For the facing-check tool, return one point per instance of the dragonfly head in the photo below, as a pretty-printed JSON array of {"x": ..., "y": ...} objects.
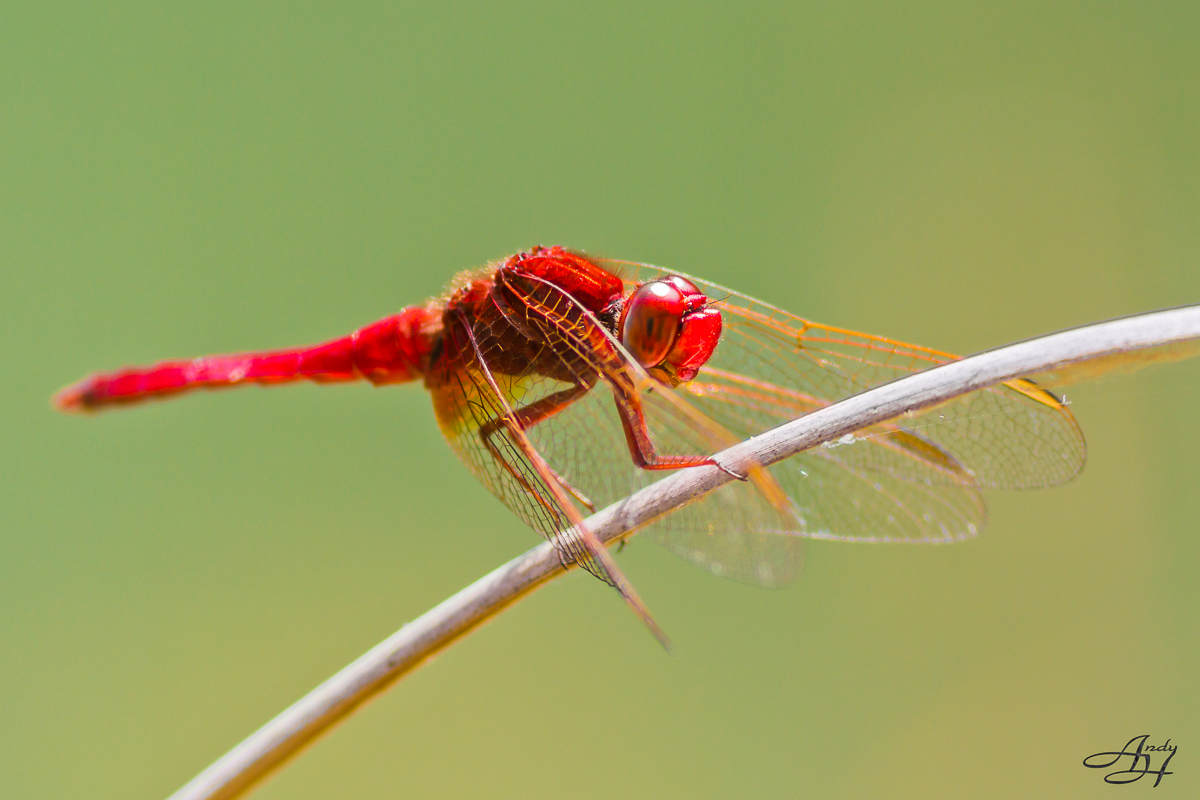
[{"x": 668, "y": 326}]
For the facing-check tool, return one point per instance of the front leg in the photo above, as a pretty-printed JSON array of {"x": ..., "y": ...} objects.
[{"x": 637, "y": 436}]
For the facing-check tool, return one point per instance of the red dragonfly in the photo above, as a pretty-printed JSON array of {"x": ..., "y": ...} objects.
[{"x": 564, "y": 382}]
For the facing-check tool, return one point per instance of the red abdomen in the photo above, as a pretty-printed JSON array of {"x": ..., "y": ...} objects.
[{"x": 393, "y": 350}]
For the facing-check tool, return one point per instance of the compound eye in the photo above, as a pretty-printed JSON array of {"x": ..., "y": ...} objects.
[{"x": 651, "y": 322}]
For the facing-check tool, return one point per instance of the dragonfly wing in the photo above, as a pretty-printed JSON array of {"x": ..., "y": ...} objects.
[
  {"x": 465, "y": 405},
  {"x": 735, "y": 533},
  {"x": 772, "y": 366},
  {"x": 837, "y": 499},
  {"x": 883, "y": 484}
]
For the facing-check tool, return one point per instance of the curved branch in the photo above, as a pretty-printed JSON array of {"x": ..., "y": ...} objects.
[{"x": 270, "y": 746}]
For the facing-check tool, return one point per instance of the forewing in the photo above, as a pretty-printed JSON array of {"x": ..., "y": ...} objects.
[{"x": 772, "y": 366}]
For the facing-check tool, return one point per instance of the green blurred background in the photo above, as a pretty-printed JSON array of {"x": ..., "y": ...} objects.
[{"x": 176, "y": 182}]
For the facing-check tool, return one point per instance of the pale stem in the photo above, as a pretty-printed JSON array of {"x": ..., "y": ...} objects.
[{"x": 270, "y": 746}]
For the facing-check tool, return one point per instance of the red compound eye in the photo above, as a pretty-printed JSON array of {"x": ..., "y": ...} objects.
[{"x": 651, "y": 321}]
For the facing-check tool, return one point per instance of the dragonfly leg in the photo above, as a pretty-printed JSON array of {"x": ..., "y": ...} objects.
[
  {"x": 737, "y": 476},
  {"x": 644, "y": 455},
  {"x": 525, "y": 418},
  {"x": 641, "y": 446}
]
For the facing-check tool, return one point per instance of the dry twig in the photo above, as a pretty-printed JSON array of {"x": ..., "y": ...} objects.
[{"x": 270, "y": 746}]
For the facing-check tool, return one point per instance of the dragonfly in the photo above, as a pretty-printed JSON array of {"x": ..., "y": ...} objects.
[{"x": 566, "y": 382}]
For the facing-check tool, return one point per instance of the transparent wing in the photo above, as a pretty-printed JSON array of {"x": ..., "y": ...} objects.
[
  {"x": 772, "y": 366},
  {"x": 734, "y": 532}
]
